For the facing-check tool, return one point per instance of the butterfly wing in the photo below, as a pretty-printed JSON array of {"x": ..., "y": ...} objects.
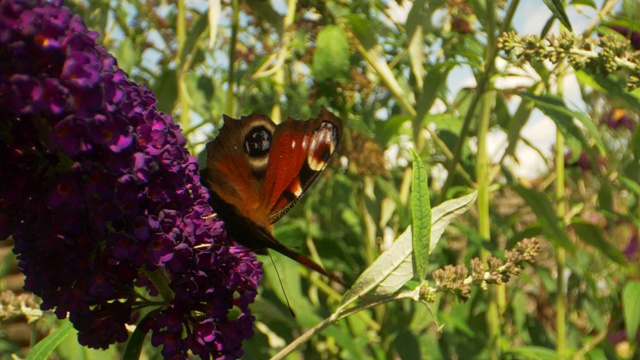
[
  {"x": 256, "y": 171},
  {"x": 299, "y": 154},
  {"x": 235, "y": 170}
]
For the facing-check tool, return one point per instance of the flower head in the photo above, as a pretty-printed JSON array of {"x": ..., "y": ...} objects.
[{"x": 98, "y": 190}]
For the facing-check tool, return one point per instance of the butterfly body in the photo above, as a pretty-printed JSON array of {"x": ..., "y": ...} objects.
[{"x": 257, "y": 170}]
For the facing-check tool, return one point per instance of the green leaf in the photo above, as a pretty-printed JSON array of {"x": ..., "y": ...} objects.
[
  {"x": 126, "y": 55},
  {"x": 617, "y": 89},
  {"x": 407, "y": 345},
  {"x": 133, "y": 349},
  {"x": 592, "y": 235},
  {"x": 605, "y": 197},
  {"x": 264, "y": 11},
  {"x": 589, "y": 3},
  {"x": 416, "y": 56},
  {"x": 362, "y": 29},
  {"x": 421, "y": 216},
  {"x": 415, "y": 18},
  {"x": 557, "y": 110},
  {"x": 546, "y": 215},
  {"x": 630, "y": 7},
  {"x": 331, "y": 56},
  {"x": 631, "y": 307},
  {"x": 436, "y": 78},
  {"x": 200, "y": 91},
  {"x": 630, "y": 184},
  {"x": 557, "y": 8},
  {"x": 291, "y": 288},
  {"x": 635, "y": 144},
  {"x": 519, "y": 120},
  {"x": 165, "y": 90},
  {"x": 394, "y": 267},
  {"x": 195, "y": 31},
  {"x": 534, "y": 352},
  {"x": 44, "y": 348}
]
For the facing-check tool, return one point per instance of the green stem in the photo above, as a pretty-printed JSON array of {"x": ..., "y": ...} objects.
[
  {"x": 560, "y": 252},
  {"x": 413, "y": 294},
  {"x": 483, "y": 84},
  {"x": 484, "y": 218},
  {"x": 181, "y": 35},
  {"x": 235, "y": 20},
  {"x": 484, "y": 180},
  {"x": 279, "y": 76},
  {"x": 561, "y": 310}
]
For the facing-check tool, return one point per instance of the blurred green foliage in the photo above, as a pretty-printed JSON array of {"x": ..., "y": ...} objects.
[{"x": 392, "y": 71}]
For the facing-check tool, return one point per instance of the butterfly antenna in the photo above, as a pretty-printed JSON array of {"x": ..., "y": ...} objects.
[{"x": 281, "y": 285}]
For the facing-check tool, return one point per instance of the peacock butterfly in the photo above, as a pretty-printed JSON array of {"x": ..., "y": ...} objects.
[{"x": 257, "y": 171}]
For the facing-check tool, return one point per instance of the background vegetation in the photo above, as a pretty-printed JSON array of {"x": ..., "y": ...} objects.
[{"x": 391, "y": 71}]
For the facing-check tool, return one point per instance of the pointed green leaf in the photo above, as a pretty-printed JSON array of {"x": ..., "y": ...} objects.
[
  {"x": 133, "y": 349},
  {"x": 557, "y": 8},
  {"x": 550, "y": 223},
  {"x": 395, "y": 267},
  {"x": 44, "y": 348},
  {"x": 421, "y": 216},
  {"x": 631, "y": 304}
]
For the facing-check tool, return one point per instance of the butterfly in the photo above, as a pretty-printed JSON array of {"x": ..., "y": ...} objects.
[{"x": 257, "y": 171}]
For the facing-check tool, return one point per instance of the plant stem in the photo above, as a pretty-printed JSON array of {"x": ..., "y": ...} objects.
[
  {"x": 484, "y": 181},
  {"x": 235, "y": 20},
  {"x": 181, "y": 35},
  {"x": 561, "y": 310},
  {"x": 412, "y": 294},
  {"x": 560, "y": 252},
  {"x": 483, "y": 83}
]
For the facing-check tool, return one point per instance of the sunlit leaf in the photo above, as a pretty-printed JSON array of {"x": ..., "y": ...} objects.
[
  {"x": 589, "y": 3},
  {"x": 331, "y": 56},
  {"x": 557, "y": 8},
  {"x": 631, "y": 307},
  {"x": 44, "y": 348},
  {"x": 395, "y": 267}
]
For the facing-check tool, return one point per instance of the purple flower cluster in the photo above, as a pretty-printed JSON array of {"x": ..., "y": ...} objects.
[{"x": 102, "y": 197}]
